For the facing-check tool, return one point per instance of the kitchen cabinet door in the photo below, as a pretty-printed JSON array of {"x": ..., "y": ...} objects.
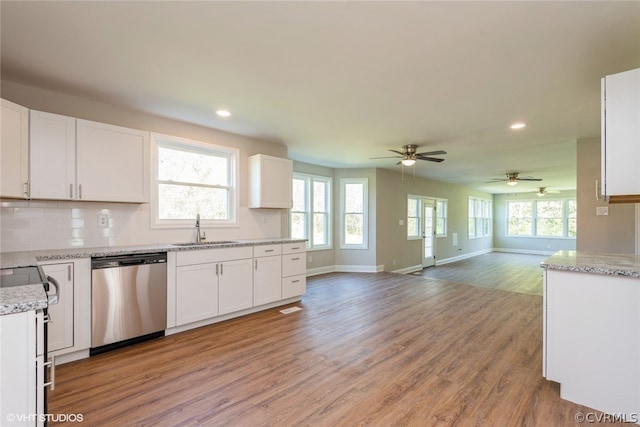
[
  {"x": 18, "y": 367},
  {"x": 235, "y": 286},
  {"x": 112, "y": 163},
  {"x": 621, "y": 133},
  {"x": 271, "y": 180},
  {"x": 14, "y": 150},
  {"x": 52, "y": 160},
  {"x": 60, "y": 332},
  {"x": 196, "y": 293},
  {"x": 267, "y": 279}
]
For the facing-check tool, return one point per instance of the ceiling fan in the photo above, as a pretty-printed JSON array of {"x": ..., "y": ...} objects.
[
  {"x": 512, "y": 179},
  {"x": 408, "y": 155},
  {"x": 544, "y": 190}
]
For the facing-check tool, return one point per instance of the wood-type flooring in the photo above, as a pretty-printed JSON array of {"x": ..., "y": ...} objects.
[{"x": 365, "y": 350}]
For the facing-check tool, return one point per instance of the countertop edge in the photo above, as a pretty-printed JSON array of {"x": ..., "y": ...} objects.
[{"x": 626, "y": 265}]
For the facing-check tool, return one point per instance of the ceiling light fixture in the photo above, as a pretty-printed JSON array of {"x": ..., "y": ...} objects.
[
  {"x": 223, "y": 113},
  {"x": 541, "y": 191},
  {"x": 518, "y": 125},
  {"x": 408, "y": 162},
  {"x": 513, "y": 180}
]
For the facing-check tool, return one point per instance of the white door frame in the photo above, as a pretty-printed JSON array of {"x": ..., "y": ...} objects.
[{"x": 428, "y": 227}]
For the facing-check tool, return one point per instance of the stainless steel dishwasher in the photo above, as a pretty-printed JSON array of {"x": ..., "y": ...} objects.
[{"x": 128, "y": 300}]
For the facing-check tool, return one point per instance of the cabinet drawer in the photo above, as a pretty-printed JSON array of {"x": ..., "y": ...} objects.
[
  {"x": 291, "y": 248},
  {"x": 267, "y": 250},
  {"x": 293, "y": 264},
  {"x": 202, "y": 256},
  {"x": 294, "y": 286}
]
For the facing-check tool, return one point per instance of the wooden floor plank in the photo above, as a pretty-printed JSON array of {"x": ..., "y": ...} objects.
[{"x": 366, "y": 349}]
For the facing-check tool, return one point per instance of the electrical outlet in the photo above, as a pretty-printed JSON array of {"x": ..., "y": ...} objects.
[{"x": 103, "y": 220}]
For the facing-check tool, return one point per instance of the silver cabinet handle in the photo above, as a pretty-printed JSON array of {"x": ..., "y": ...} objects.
[
  {"x": 221, "y": 269},
  {"x": 51, "y": 364},
  {"x": 25, "y": 187},
  {"x": 269, "y": 250},
  {"x": 71, "y": 191},
  {"x": 295, "y": 259},
  {"x": 80, "y": 191},
  {"x": 295, "y": 281},
  {"x": 217, "y": 269},
  {"x": 296, "y": 248},
  {"x": 256, "y": 264}
]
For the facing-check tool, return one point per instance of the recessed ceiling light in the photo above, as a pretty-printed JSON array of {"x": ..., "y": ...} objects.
[
  {"x": 223, "y": 113},
  {"x": 518, "y": 125}
]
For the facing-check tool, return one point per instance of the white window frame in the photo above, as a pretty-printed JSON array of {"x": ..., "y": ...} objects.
[
  {"x": 309, "y": 180},
  {"x": 483, "y": 224},
  {"x": 442, "y": 212},
  {"x": 365, "y": 214},
  {"x": 231, "y": 154},
  {"x": 534, "y": 225},
  {"x": 419, "y": 207}
]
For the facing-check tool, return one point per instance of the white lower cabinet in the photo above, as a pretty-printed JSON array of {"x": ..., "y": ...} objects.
[
  {"x": 592, "y": 339},
  {"x": 60, "y": 332},
  {"x": 294, "y": 269},
  {"x": 267, "y": 273},
  {"x": 212, "y": 282},
  {"x": 196, "y": 293},
  {"x": 22, "y": 369},
  {"x": 234, "y": 287}
]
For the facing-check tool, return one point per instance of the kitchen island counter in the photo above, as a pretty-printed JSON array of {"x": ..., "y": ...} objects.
[{"x": 594, "y": 263}]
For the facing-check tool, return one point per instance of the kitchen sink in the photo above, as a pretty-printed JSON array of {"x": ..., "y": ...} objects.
[{"x": 209, "y": 243}]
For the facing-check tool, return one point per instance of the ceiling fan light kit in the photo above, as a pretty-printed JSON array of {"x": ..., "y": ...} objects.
[
  {"x": 408, "y": 155},
  {"x": 513, "y": 179}
]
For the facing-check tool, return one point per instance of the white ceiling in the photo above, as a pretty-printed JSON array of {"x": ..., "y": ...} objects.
[{"x": 340, "y": 82}]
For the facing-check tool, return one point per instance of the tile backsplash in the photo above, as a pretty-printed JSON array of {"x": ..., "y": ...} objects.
[{"x": 41, "y": 225}]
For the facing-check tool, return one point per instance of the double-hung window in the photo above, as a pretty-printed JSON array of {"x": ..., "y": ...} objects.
[
  {"x": 441, "y": 218},
  {"x": 542, "y": 218},
  {"x": 353, "y": 205},
  {"x": 480, "y": 217},
  {"x": 414, "y": 217},
  {"x": 311, "y": 212},
  {"x": 193, "y": 178}
]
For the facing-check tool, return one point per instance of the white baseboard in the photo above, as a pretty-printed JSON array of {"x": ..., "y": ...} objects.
[
  {"x": 408, "y": 270},
  {"x": 345, "y": 269},
  {"x": 461, "y": 257},
  {"x": 523, "y": 251}
]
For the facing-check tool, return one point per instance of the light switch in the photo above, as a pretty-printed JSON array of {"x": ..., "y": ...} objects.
[
  {"x": 401, "y": 222},
  {"x": 602, "y": 210}
]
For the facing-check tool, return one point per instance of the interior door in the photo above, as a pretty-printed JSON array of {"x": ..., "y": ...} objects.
[{"x": 429, "y": 233}]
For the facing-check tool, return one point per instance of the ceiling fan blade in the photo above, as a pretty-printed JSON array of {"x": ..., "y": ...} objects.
[
  {"x": 431, "y": 153},
  {"x": 429, "y": 159},
  {"x": 385, "y": 157},
  {"x": 496, "y": 180},
  {"x": 529, "y": 179},
  {"x": 396, "y": 151}
]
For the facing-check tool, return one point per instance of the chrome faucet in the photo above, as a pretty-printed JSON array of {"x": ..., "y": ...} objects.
[{"x": 200, "y": 236}]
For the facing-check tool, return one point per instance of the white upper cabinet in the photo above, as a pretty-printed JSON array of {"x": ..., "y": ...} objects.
[
  {"x": 53, "y": 156},
  {"x": 14, "y": 150},
  {"x": 621, "y": 133},
  {"x": 270, "y": 179},
  {"x": 74, "y": 159},
  {"x": 112, "y": 163}
]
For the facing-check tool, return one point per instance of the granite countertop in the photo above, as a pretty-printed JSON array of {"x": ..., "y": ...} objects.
[
  {"x": 27, "y": 258},
  {"x": 33, "y": 297},
  {"x": 22, "y": 298},
  {"x": 594, "y": 263}
]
